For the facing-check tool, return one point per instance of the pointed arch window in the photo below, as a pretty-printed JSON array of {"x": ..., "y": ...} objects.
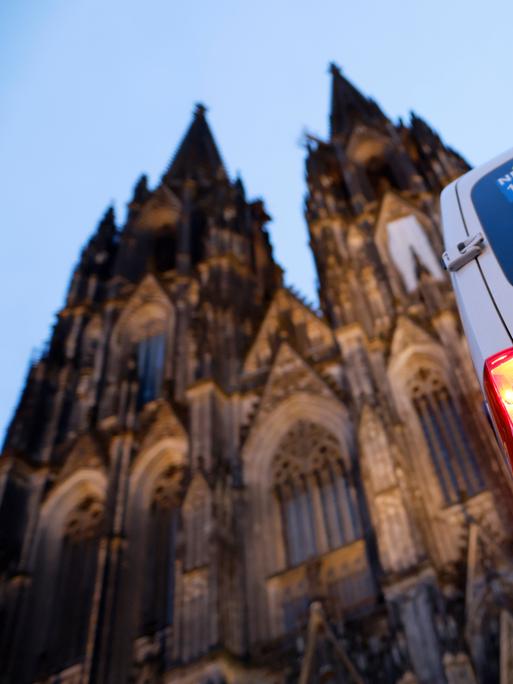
[
  {"x": 315, "y": 493},
  {"x": 145, "y": 339},
  {"x": 161, "y": 535},
  {"x": 407, "y": 242},
  {"x": 450, "y": 444},
  {"x": 150, "y": 367},
  {"x": 67, "y": 638}
]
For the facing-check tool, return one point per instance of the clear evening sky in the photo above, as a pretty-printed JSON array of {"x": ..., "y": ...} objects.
[{"x": 95, "y": 92}]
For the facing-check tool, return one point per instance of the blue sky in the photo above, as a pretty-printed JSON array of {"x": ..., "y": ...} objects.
[{"x": 95, "y": 92}]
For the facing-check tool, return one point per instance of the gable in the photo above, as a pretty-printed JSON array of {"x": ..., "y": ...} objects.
[
  {"x": 149, "y": 305},
  {"x": 161, "y": 209},
  {"x": 286, "y": 319},
  {"x": 159, "y": 424},
  {"x": 85, "y": 453},
  {"x": 408, "y": 334},
  {"x": 290, "y": 375}
]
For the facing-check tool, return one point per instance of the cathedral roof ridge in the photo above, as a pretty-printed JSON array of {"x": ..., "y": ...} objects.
[
  {"x": 301, "y": 299},
  {"x": 261, "y": 338}
]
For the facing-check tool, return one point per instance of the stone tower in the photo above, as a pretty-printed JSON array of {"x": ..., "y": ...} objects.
[{"x": 207, "y": 480}]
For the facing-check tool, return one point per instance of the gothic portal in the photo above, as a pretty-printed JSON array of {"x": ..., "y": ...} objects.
[{"x": 207, "y": 480}]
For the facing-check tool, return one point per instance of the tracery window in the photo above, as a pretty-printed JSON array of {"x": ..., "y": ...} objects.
[
  {"x": 451, "y": 448},
  {"x": 162, "y": 528},
  {"x": 75, "y": 582},
  {"x": 315, "y": 493}
]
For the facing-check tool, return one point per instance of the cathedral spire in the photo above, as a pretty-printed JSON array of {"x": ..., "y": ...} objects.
[
  {"x": 198, "y": 156},
  {"x": 349, "y": 106}
]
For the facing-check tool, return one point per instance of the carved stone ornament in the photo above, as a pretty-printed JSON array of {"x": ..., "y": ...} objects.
[{"x": 84, "y": 522}]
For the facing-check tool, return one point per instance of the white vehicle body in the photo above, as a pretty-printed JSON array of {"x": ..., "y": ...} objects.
[{"x": 477, "y": 220}]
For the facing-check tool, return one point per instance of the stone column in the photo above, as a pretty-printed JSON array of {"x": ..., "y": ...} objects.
[{"x": 101, "y": 665}]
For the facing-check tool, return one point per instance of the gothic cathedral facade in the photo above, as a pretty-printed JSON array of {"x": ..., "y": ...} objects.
[{"x": 207, "y": 480}]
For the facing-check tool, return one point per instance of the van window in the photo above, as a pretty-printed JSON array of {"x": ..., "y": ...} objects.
[{"x": 492, "y": 197}]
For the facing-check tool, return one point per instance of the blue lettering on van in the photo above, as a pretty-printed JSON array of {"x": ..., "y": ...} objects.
[{"x": 505, "y": 183}]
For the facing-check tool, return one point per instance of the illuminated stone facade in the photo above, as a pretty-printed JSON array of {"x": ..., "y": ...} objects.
[{"x": 207, "y": 480}]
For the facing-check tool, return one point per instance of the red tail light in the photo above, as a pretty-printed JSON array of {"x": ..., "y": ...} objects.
[{"x": 498, "y": 383}]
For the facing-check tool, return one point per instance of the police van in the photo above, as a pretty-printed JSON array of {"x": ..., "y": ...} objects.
[{"x": 477, "y": 220}]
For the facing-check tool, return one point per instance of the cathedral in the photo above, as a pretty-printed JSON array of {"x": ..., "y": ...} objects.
[{"x": 209, "y": 481}]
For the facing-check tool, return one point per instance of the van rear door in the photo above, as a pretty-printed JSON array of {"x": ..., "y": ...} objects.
[
  {"x": 486, "y": 200},
  {"x": 483, "y": 328}
]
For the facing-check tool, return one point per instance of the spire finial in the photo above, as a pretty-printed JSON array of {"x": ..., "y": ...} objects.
[
  {"x": 199, "y": 110},
  {"x": 109, "y": 215},
  {"x": 334, "y": 69}
]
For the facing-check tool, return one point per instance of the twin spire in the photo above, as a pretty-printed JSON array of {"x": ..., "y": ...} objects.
[{"x": 198, "y": 155}]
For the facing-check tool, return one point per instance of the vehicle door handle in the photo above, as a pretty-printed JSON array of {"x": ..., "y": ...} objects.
[{"x": 456, "y": 257}]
